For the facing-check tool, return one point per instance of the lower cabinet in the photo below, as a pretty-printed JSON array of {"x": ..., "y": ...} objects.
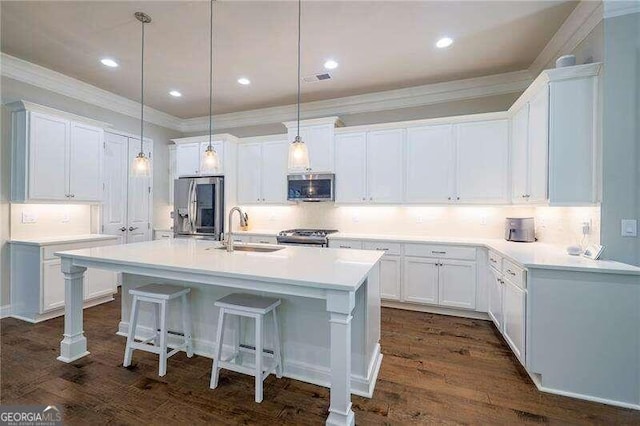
[
  {"x": 494, "y": 283},
  {"x": 450, "y": 283},
  {"x": 390, "y": 278},
  {"x": 52, "y": 285},
  {"x": 514, "y": 299}
]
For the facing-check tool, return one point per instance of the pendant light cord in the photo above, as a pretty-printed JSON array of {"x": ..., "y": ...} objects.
[
  {"x": 142, "y": 94},
  {"x": 299, "y": 36},
  {"x": 210, "y": 73}
]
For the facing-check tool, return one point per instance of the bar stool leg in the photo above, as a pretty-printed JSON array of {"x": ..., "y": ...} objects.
[
  {"x": 133, "y": 322},
  {"x": 186, "y": 325},
  {"x": 163, "y": 339},
  {"x": 236, "y": 339},
  {"x": 156, "y": 310},
  {"x": 218, "y": 351},
  {"x": 259, "y": 356},
  {"x": 277, "y": 351}
]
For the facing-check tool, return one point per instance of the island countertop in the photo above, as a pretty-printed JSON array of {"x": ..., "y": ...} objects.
[{"x": 334, "y": 269}]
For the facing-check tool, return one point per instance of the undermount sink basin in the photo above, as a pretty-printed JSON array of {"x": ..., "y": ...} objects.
[{"x": 253, "y": 248}]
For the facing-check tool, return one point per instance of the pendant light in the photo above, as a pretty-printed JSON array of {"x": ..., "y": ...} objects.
[
  {"x": 210, "y": 162},
  {"x": 298, "y": 151},
  {"x": 141, "y": 166}
]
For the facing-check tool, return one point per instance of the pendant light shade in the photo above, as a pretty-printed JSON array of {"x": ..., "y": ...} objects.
[
  {"x": 141, "y": 166},
  {"x": 298, "y": 151},
  {"x": 210, "y": 163}
]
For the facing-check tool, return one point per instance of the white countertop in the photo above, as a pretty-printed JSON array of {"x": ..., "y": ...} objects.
[
  {"x": 341, "y": 269},
  {"x": 529, "y": 255},
  {"x": 63, "y": 239},
  {"x": 260, "y": 232}
]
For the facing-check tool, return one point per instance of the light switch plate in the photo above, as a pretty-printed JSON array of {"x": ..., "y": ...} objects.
[{"x": 629, "y": 228}]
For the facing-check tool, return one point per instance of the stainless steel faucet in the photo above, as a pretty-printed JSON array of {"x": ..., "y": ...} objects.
[{"x": 243, "y": 222}]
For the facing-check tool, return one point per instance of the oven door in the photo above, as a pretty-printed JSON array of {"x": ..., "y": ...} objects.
[{"x": 310, "y": 187}]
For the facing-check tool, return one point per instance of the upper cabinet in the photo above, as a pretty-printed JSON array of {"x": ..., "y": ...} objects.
[
  {"x": 555, "y": 131},
  {"x": 189, "y": 152},
  {"x": 369, "y": 166},
  {"x": 262, "y": 172},
  {"x": 55, "y": 156},
  {"x": 317, "y": 134}
]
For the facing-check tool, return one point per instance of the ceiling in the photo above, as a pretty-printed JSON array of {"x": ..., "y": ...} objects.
[{"x": 380, "y": 45}]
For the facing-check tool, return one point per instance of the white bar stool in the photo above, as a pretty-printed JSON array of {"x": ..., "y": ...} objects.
[
  {"x": 159, "y": 295},
  {"x": 249, "y": 306}
]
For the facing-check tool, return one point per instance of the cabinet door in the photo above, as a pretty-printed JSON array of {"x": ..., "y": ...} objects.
[
  {"x": 52, "y": 285},
  {"x": 482, "y": 160},
  {"x": 218, "y": 146},
  {"x": 99, "y": 283},
  {"x": 249, "y": 173},
  {"x": 116, "y": 172},
  {"x": 351, "y": 168},
  {"x": 514, "y": 318},
  {"x": 538, "y": 136},
  {"x": 390, "y": 277},
  {"x": 520, "y": 155},
  {"x": 85, "y": 162},
  {"x": 48, "y": 157},
  {"x": 274, "y": 172},
  {"x": 385, "y": 162},
  {"x": 188, "y": 159},
  {"x": 172, "y": 172},
  {"x": 420, "y": 282},
  {"x": 430, "y": 164},
  {"x": 139, "y": 197},
  {"x": 321, "y": 148},
  {"x": 457, "y": 284},
  {"x": 495, "y": 298}
]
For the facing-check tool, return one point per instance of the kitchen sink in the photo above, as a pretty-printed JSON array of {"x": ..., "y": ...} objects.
[{"x": 252, "y": 248}]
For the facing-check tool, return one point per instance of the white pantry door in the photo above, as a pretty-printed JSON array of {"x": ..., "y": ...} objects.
[
  {"x": 139, "y": 196},
  {"x": 114, "y": 205}
]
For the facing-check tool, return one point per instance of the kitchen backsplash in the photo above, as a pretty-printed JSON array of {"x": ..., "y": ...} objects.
[
  {"x": 556, "y": 225},
  {"x": 49, "y": 220}
]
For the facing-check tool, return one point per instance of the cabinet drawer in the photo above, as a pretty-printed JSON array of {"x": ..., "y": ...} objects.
[
  {"x": 163, "y": 235},
  {"x": 241, "y": 238},
  {"x": 264, "y": 239},
  {"x": 350, "y": 244},
  {"x": 514, "y": 273},
  {"x": 495, "y": 260},
  {"x": 440, "y": 251},
  {"x": 48, "y": 251},
  {"x": 387, "y": 247}
]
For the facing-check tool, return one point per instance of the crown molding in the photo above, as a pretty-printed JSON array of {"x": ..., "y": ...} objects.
[
  {"x": 429, "y": 94},
  {"x": 620, "y": 7},
  {"x": 36, "y": 75},
  {"x": 584, "y": 18}
]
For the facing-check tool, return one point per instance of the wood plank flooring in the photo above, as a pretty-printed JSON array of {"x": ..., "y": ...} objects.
[{"x": 436, "y": 369}]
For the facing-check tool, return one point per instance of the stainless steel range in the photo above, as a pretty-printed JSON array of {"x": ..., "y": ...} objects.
[{"x": 305, "y": 237}]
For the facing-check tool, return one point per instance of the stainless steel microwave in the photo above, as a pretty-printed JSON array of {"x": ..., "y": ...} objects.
[{"x": 310, "y": 187}]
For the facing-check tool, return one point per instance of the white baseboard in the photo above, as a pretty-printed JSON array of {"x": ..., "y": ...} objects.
[
  {"x": 5, "y": 311},
  {"x": 297, "y": 370}
]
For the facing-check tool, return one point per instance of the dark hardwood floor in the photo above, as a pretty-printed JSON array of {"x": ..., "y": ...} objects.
[{"x": 436, "y": 369}]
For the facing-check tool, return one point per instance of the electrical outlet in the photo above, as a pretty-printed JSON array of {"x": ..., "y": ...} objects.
[
  {"x": 629, "y": 228},
  {"x": 65, "y": 217},
  {"x": 29, "y": 217},
  {"x": 355, "y": 218},
  {"x": 586, "y": 227},
  {"x": 420, "y": 219},
  {"x": 483, "y": 220}
]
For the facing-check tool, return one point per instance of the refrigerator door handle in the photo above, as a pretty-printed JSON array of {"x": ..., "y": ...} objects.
[{"x": 191, "y": 207}]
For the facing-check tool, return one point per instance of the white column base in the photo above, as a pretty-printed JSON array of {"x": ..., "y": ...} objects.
[
  {"x": 73, "y": 348},
  {"x": 341, "y": 419}
]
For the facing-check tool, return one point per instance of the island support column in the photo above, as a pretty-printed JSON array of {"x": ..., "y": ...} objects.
[
  {"x": 340, "y": 306},
  {"x": 74, "y": 344}
]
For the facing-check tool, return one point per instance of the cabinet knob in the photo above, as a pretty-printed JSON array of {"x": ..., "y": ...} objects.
[
  {"x": 263, "y": 199},
  {"x": 458, "y": 198},
  {"x": 370, "y": 198},
  {"x": 124, "y": 228},
  {"x": 449, "y": 198}
]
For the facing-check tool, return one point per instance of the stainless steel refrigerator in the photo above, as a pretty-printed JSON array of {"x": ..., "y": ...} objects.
[{"x": 198, "y": 209}]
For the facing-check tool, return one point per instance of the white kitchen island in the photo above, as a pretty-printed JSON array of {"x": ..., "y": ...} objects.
[{"x": 330, "y": 312}]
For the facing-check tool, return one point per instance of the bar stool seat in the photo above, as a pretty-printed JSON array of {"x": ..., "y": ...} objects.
[
  {"x": 159, "y": 295},
  {"x": 248, "y": 306}
]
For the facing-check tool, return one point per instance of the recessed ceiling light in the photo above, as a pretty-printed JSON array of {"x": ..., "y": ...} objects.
[
  {"x": 331, "y": 64},
  {"x": 175, "y": 93},
  {"x": 444, "y": 42},
  {"x": 109, "y": 62},
  {"x": 244, "y": 81}
]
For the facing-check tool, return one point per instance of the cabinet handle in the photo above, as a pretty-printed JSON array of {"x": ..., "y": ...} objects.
[
  {"x": 382, "y": 248},
  {"x": 124, "y": 228},
  {"x": 458, "y": 198},
  {"x": 345, "y": 246},
  {"x": 370, "y": 198},
  {"x": 263, "y": 242},
  {"x": 438, "y": 252},
  {"x": 449, "y": 198},
  {"x": 510, "y": 272},
  {"x": 133, "y": 228},
  {"x": 493, "y": 260},
  {"x": 364, "y": 198},
  {"x": 263, "y": 199}
]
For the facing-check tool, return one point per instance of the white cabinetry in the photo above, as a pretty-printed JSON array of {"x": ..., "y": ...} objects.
[
  {"x": 457, "y": 284},
  {"x": 514, "y": 303},
  {"x": 262, "y": 173},
  {"x": 317, "y": 134},
  {"x": 189, "y": 155},
  {"x": 430, "y": 164},
  {"x": 390, "y": 267},
  {"x": 482, "y": 158},
  {"x": 420, "y": 280},
  {"x": 369, "y": 167},
  {"x": 495, "y": 282},
  {"x": 55, "y": 156},
  {"x": 37, "y": 281}
]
